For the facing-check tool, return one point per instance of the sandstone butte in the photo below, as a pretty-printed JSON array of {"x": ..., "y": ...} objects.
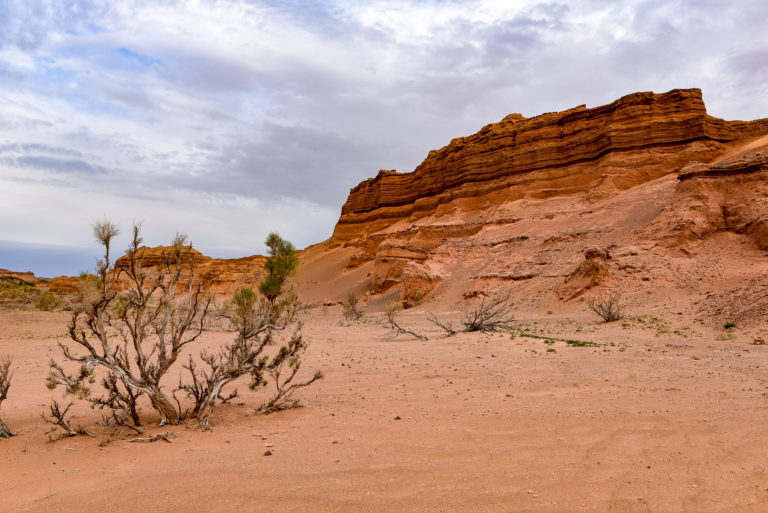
[{"x": 648, "y": 194}]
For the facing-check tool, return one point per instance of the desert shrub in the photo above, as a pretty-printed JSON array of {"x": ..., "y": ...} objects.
[
  {"x": 351, "y": 309},
  {"x": 491, "y": 315},
  {"x": 729, "y": 325},
  {"x": 607, "y": 306},
  {"x": 5, "y": 385},
  {"x": 134, "y": 324},
  {"x": 47, "y": 301}
]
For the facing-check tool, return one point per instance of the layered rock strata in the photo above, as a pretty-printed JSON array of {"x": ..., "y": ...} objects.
[{"x": 551, "y": 154}]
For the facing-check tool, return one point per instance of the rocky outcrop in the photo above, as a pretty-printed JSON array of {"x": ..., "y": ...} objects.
[
  {"x": 730, "y": 195},
  {"x": 220, "y": 275},
  {"x": 26, "y": 276},
  {"x": 552, "y": 154},
  {"x": 474, "y": 210},
  {"x": 590, "y": 273}
]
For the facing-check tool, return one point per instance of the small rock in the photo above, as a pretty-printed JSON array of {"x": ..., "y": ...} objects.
[
  {"x": 268, "y": 453},
  {"x": 397, "y": 418}
]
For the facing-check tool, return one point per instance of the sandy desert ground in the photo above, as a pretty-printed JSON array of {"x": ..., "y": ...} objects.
[{"x": 661, "y": 415}]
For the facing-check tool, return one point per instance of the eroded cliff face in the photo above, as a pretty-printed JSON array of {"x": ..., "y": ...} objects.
[
  {"x": 633, "y": 140},
  {"x": 730, "y": 195},
  {"x": 559, "y": 204}
]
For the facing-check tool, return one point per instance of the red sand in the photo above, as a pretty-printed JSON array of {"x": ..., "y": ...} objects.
[{"x": 666, "y": 419}]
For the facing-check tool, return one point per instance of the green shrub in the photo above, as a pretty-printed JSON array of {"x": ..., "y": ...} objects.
[
  {"x": 729, "y": 325},
  {"x": 47, "y": 301},
  {"x": 16, "y": 290}
]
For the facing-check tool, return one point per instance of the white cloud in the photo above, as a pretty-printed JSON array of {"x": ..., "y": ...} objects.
[{"x": 229, "y": 117}]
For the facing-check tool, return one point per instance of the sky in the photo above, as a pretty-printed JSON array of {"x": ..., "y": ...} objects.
[{"x": 226, "y": 120}]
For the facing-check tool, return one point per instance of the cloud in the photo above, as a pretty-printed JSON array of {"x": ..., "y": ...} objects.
[{"x": 196, "y": 115}]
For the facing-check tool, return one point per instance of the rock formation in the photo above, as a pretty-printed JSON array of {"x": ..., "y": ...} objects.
[
  {"x": 632, "y": 140},
  {"x": 26, "y": 276},
  {"x": 520, "y": 199}
]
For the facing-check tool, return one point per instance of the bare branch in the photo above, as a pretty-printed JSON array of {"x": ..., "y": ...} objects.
[
  {"x": 447, "y": 327},
  {"x": 59, "y": 420},
  {"x": 395, "y": 329}
]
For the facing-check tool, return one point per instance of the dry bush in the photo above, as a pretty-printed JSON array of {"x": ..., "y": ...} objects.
[
  {"x": 255, "y": 320},
  {"x": 137, "y": 335},
  {"x": 5, "y": 384},
  {"x": 492, "y": 314},
  {"x": 351, "y": 309},
  {"x": 61, "y": 424},
  {"x": 393, "y": 308},
  {"x": 608, "y": 305},
  {"x": 153, "y": 319}
]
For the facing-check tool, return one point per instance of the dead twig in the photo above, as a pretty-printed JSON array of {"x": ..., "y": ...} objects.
[
  {"x": 447, "y": 327},
  {"x": 394, "y": 328},
  {"x": 154, "y": 438}
]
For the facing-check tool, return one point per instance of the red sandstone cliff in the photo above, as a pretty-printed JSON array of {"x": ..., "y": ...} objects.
[
  {"x": 636, "y": 138},
  {"x": 520, "y": 204}
]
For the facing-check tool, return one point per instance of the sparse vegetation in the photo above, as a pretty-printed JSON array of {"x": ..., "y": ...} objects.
[
  {"x": 47, "y": 302},
  {"x": 5, "y": 385},
  {"x": 607, "y": 306},
  {"x": 351, "y": 309},
  {"x": 16, "y": 290},
  {"x": 729, "y": 325},
  {"x": 393, "y": 308}
]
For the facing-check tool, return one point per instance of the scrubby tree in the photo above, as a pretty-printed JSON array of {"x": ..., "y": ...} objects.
[
  {"x": 280, "y": 265},
  {"x": 255, "y": 318},
  {"x": 136, "y": 335},
  {"x": 133, "y": 324}
]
